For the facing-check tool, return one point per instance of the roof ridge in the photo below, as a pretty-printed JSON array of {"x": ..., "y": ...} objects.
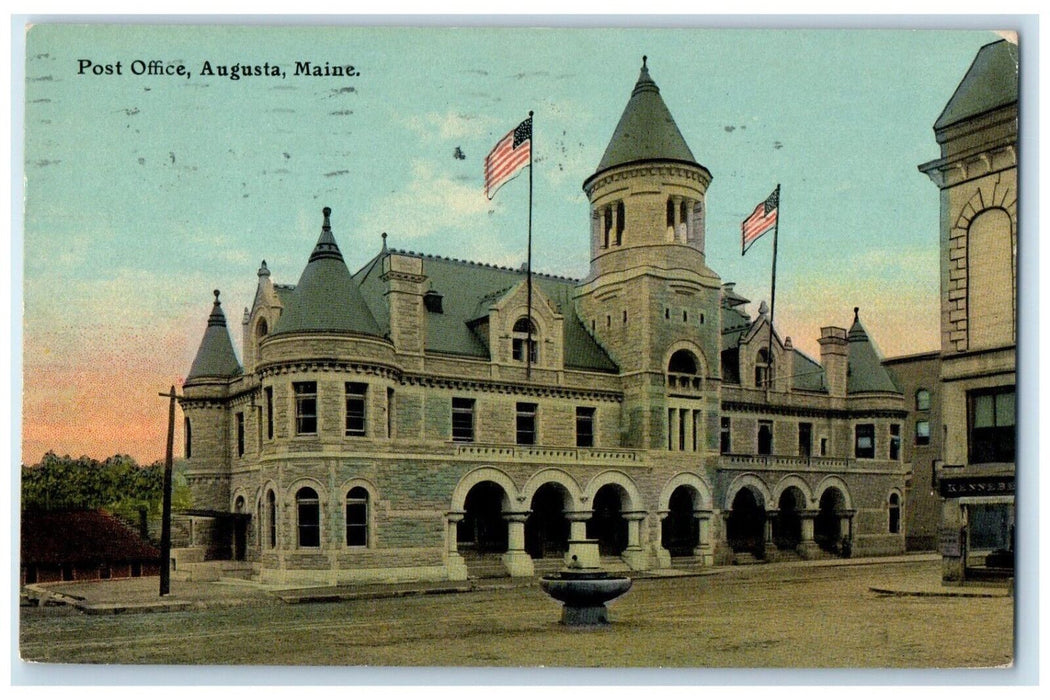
[{"x": 491, "y": 266}]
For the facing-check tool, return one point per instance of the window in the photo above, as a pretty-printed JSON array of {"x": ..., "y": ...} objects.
[
  {"x": 240, "y": 434},
  {"x": 526, "y": 423},
  {"x": 682, "y": 362},
  {"x": 726, "y": 446},
  {"x": 922, "y": 432},
  {"x": 805, "y": 439},
  {"x": 765, "y": 437},
  {"x": 619, "y": 222},
  {"x": 922, "y": 400},
  {"x": 670, "y": 212},
  {"x": 823, "y": 447},
  {"x": 584, "y": 426},
  {"x": 357, "y": 517},
  {"x": 188, "y": 437},
  {"x": 763, "y": 369},
  {"x": 305, "y": 408},
  {"x": 389, "y": 412},
  {"x": 356, "y": 395},
  {"x": 268, "y": 392},
  {"x": 462, "y": 420},
  {"x": 895, "y": 514},
  {"x": 271, "y": 518},
  {"x": 608, "y": 226},
  {"x": 308, "y": 514},
  {"x": 864, "y": 447},
  {"x": 992, "y": 420},
  {"x": 895, "y": 441},
  {"x": 524, "y": 333}
]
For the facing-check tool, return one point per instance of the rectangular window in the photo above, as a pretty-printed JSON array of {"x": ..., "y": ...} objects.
[
  {"x": 765, "y": 437},
  {"x": 726, "y": 446},
  {"x": 357, "y": 518},
  {"x": 696, "y": 430},
  {"x": 805, "y": 439},
  {"x": 584, "y": 426},
  {"x": 268, "y": 392},
  {"x": 389, "y": 412},
  {"x": 240, "y": 434},
  {"x": 356, "y": 395},
  {"x": 895, "y": 441},
  {"x": 462, "y": 420},
  {"x": 188, "y": 434},
  {"x": 518, "y": 349},
  {"x": 864, "y": 447},
  {"x": 681, "y": 428},
  {"x": 992, "y": 425},
  {"x": 305, "y": 408},
  {"x": 670, "y": 429},
  {"x": 823, "y": 447},
  {"x": 922, "y": 432},
  {"x": 526, "y": 423}
]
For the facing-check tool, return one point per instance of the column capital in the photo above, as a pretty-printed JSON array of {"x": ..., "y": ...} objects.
[
  {"x": 578, "y": 516},
  {"x": 455, "y": 516},
  {"x": 636, "y": 515},
  {"x": 703, "y": 513},
  {"x": 517, "y": 516}
]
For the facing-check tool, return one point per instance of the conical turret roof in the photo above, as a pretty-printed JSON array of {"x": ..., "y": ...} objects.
[
  {"x": 215, "y": 356},
  {"x": 326, "y": 297},
  {"x": 866, "y": 372},
  {"x": 646, "y": 131}
]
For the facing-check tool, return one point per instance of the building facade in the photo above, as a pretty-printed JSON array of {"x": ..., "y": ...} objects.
[
  {"x": 977, "y": 177},
  {"x": 414, "y": 419}
]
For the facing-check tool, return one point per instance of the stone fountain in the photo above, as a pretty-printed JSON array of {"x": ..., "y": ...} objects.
[{"x": 583, "y": 587}]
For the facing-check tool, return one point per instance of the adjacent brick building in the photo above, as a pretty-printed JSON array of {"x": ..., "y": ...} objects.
[{"x": 413, "y": 420}]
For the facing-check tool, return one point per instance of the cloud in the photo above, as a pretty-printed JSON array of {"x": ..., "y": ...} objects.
[{"x": 451, "y": 125}]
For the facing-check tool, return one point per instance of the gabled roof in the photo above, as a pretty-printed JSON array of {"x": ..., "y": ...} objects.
[
  {"x": 468, "y": 288},
  {"x": 809, "y": 374},
  {"x": 646, "y": 130},
  {"x": 866, "y": 372},
  {"x": 990, "y": 82},
  {"x": 326, "y": 298},
  {"x": 215, "y": 356},
  {"x": 81, "y": 537}
]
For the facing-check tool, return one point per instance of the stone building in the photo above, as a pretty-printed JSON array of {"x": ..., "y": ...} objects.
[
  {"x": 919, "y": 378},
  {"x": 977, "y": 177},
  {"x": 412, "y": 419}
]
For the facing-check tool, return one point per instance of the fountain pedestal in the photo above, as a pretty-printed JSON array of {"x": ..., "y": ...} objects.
[{"x": 583, "y": 588}]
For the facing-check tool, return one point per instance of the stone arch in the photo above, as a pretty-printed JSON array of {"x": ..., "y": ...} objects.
[
  {"x": 475, "y": 477},
  {"x": 749, "y": 481},
  {"x": 613, "y": 476},
  {"x": 693, "y": 480},
  {"x": 796, "y": 481},
  {"x": 894, "y": 520},
  {"x": 837, "y": 482},
  {"x": 703, "y": 367},
  {"x": 549, "y": 496},
  {"x": 556, "y": 476}
]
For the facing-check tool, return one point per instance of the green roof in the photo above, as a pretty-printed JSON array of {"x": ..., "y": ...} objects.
[
  {"x": 646, "y": 130},
  {"x": 326, "y": 299},
  {"x": 865, "y": 373},
  {"x": 215, "y": 356},
  {"x": 467, "y": 289},
  {"x": 991, "y": 82},
  {"x": 808, "y": 374}
]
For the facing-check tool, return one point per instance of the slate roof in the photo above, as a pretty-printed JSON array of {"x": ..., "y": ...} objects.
[
  {"x": 215, "y": 356},
  {"x": 326, "y": 297},
  {"x": 468, "y": 288},
  {"x": 866, "y": 372},
  {"x": 809, "y": 374},
  {"x": 646, "y": 130},
  {"x": 81, "y": 537},
  {"x": 991, "y": 82}
]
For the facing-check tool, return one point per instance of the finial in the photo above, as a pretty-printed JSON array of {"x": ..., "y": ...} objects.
[
  {"x": 326, "y": 224},
  {"x": 216, "y": 293},
  {"x": 644, "y": 59},
  {"x": 530, "y": 113},
  {"x": 263, "y": 270},
  {"x": 384, "y": 249},
  {"x": 856, "y": 314}
]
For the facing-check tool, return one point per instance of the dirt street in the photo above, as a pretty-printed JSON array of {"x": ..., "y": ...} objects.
[{"x": 759, "y": 616}]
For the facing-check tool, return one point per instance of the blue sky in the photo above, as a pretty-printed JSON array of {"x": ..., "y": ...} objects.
[{"x": 145, "y": 193}]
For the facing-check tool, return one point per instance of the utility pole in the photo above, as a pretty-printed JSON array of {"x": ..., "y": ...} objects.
[{"x": 165, "y": 523}]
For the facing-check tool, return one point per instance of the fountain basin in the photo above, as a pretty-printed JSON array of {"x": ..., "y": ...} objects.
[{"x": 583, "y": 594}]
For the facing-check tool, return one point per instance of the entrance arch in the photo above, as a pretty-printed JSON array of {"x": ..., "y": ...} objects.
[
  {"x": 746, "y": 524},
  {"x": 680, "y": 530},
  {"x": 827, "y": 528},
  {"x": 607, "y": 524},
  {"x": 547, "y": 528},
  {"x": 483, "y": 529},
  {"x": 787, "y": 529}
]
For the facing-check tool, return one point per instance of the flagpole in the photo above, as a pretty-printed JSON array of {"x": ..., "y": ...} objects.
[
  {"x": 528, "y": 263},
  {"x": 772, "y": 300}
]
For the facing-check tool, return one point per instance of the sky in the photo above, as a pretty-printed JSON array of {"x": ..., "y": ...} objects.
[{"x": 143, "y": 193}]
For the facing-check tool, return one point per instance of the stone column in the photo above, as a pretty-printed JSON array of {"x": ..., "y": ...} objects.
[
  {"x": 635, "y": 556},
  {"x": 704, "y": 548},
  {"x": 769, "y": 549},
  {"x": 516, "y": 559},
  {"x": 846, "y": 531},
  {"x": 808, "y": 548},
  {"x": 662, "y": 554},
  {"x": 578, "y": 523},
  {"x": 454, "y": 564}
]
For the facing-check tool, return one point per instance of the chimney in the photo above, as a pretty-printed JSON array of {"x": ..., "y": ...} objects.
[
  {"x": 405, "y": 287},
  {"x": 834, "y": 356}
]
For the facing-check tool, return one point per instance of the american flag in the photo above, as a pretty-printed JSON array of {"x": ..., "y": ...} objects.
[
  {"x": 763, "y": 218},
  {"x": 511, "y": 154}
]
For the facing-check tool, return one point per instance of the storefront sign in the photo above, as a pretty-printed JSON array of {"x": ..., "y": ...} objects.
[
  {"x": 951, "y": 542},
  {"x": 976, "y": 486}
]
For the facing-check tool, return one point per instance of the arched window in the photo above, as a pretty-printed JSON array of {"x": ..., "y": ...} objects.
[
  {"x": 991, "y": 293},
  {"x": 682, "y": 362},
  {"x": 763, "y": 369},
  {"x": 619, "y": 222},
  {"x": 238, "y": 505},
  {"x": 188, "y": 438},
  {"x": 608, "y": 226},
  {"x": 895, "y": 514},
  {"x": 261, "y": 328},
  {"x": 524, "y": 336},
  {"x": 670, "y": 213},
  {"x": 271, "y": 518},
  {"x": 922, "y": 400},
  {"x": 357, "y": 517},
  {"x": 308, "y": 517}
]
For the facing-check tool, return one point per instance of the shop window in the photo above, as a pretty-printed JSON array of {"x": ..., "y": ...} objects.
[
  {"x": 864, "y": 445},
  {"x": 305, "y": 408},
  {"x": 922, "y": 432},
  {"x": 308, "y": 517},
  {"x": 462, "y": 419},
  {"x": 584, "y": 426},
  {"x": 526, "y": 423},
  {"x": 356, "y": 401},
  {"x": 992, "y": 425},
  {"x": 357, "y": 517}
]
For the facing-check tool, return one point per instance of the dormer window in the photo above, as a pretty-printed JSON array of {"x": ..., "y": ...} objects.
[
  {"x": 524, "y": 336},
  {"x": 432, "y": 302},
  {"x": 763, "y": 369},
  {"x": 261, "y": 328}
]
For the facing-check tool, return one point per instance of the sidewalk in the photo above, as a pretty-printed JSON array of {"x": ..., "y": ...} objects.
[{"x": 141, "y": 595}]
